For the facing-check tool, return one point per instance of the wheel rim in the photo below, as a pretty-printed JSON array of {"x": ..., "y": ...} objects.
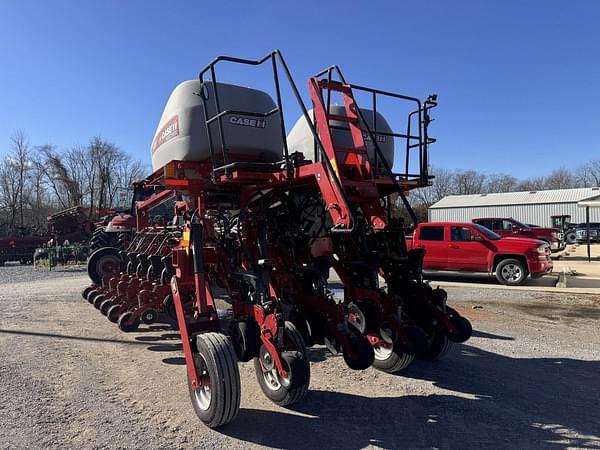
[
  {"x": 356, "y": 318},
  {"x": 107, "y": 265},
  {"x": 511, "y": 272},
  {"x": 382, "y": 352},
  {"x": 203, "y": 393},
  {"x": 273, "y": 380}
]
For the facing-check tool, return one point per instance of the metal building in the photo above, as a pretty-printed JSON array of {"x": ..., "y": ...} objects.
[{"x": 531, "y": 207}]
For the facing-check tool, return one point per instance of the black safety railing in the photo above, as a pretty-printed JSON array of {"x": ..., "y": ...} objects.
[
  {"x": 221, "y": 163},
  {"x": 420, "y": 140}
]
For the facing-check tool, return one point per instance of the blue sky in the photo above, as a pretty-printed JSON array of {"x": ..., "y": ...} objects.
[{"x": 518, "y": 81}]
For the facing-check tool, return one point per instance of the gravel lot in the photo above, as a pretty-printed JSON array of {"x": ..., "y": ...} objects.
[{"x": 529, "y": 378}]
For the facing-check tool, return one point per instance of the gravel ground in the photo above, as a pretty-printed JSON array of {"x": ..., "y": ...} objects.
[{"x": 70, "y": 379}]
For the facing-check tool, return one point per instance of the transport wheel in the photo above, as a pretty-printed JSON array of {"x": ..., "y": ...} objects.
[
  {"x": 511, "y": 272},
  {"x": 98, "y": 300},
  {"x": 104, "y": 306},
  {"x": 216, "y": 400},
  {"x": 439, "y": 344},
  {"x": 102, "y": 262},
  {"x": 284, "y": 391},
  {"x": 390, "y": 358},
  {"x": 113, "y": 313},
  {"x": 86, "y": 292},
  {"x": 245, "y": 337},
  {"x": 571, "y": 237},
  {"x": 127, "y": 327}
]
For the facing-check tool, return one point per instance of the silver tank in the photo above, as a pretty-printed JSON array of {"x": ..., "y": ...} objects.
[
  {"x": 300, "y": 138},
  {"x": 181, "y": 132}
]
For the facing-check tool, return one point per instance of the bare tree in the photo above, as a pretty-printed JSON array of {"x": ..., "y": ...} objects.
[
  {"x": 588, "y": 175},
  {"x": 560, "y": 178},
  {"x": 500, "y": 182},
  {"x": 469, "y": 182}
]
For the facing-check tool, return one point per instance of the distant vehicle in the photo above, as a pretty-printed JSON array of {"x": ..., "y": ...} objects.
[
  {"x": 469, "y": 247},
  {"x": 568, "y": 228},
  {"x": 582, "y": 232},
  {"x": 509, "y": 227}
]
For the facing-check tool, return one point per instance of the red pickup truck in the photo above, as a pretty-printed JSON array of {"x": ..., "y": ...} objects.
[
  {"x": 470, "y": 247},
  {"x": 509, "y": 227}
]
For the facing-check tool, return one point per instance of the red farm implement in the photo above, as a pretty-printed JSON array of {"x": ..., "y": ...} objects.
[{"x": 259, "y": 222}]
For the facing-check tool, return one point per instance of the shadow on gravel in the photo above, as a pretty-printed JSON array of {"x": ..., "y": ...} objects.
[
  {"x": 501, "y": 402},
  {"x": 175, "y": 361},
  {"x": 66, "y": 336},
  {"x": 485, "y": 335}
]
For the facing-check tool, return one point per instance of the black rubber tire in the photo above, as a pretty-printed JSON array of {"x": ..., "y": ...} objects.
[
  {"x": 169, "y": 309},
  {"x": 105, "y": 305},
  {"x": 127, "y": 327},
  {"x": 216, "y": 358},
  {"x": 464, "y": 327},
  {"x": 393, "y": 362},
  {"x": 92, "y": 295},
  {"x": 98, "y": 300},
  {"x": 439, "y": 344},
  {"x": 86, "y": 292},
  {"x": 149, "y": 316},
  {"x": 245, "y": 337},
  {"x": 102, "y": 262},
  {"x": 511, "y": 264},
  {"x": 571, "y": 237},
  {"x": 296, "y": 363},
  {"x": 113, "y": 313},
  {"x": 366, "y": 355}
]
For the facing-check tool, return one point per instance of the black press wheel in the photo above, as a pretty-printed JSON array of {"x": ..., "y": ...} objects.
[
  {"x": 216, "y": 399},
  {"x": 464, "y": 329},
  {"x": 293, "y": 388},
  {"x": 92, "y": 295},
  {"x": 245, "y": 336},
  {"x": 98, "y": 300},
  {"x": 103, "y": 262},
  {"x": 391, "y": 358},
  {"x": 364, "y": 355},
  {"x": 125, "y": 324},
  {"x": 86, "y": 292},
  {"x": 105, "y": 305},
  {"x": 511, "y": 272},
  {"x": 113, "y": 313},
  {"x": 439, "y": 344}
]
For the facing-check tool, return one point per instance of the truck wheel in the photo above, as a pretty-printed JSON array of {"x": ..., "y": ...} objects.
[
  {"x": 511, "y": 272},
  {"x": 570, "y": 237}
]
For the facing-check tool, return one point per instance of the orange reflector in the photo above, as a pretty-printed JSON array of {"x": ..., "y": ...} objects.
[{"x": 170, "y": 170}]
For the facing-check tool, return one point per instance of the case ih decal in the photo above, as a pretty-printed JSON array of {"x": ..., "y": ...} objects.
[{"x": 169, "y": 131}]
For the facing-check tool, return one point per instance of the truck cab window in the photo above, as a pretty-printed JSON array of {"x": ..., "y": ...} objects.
[
  {"x": 432, "y": 234},
  {"x": 460, "y": 234}
]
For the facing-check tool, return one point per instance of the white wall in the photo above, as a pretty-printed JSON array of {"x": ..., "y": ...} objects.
[{"x": 533, "y": 214}]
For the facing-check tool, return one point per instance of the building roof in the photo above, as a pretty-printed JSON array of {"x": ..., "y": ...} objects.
[
  {"x": 593, "y": 202},
  {"x": 517, "y": 198}
]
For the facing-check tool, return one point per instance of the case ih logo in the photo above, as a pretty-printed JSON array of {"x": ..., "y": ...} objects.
[
  {"x": 247, "y": 122},
  {"x": 380, "y": 138},
  {"x": 166, "y": 133}
]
